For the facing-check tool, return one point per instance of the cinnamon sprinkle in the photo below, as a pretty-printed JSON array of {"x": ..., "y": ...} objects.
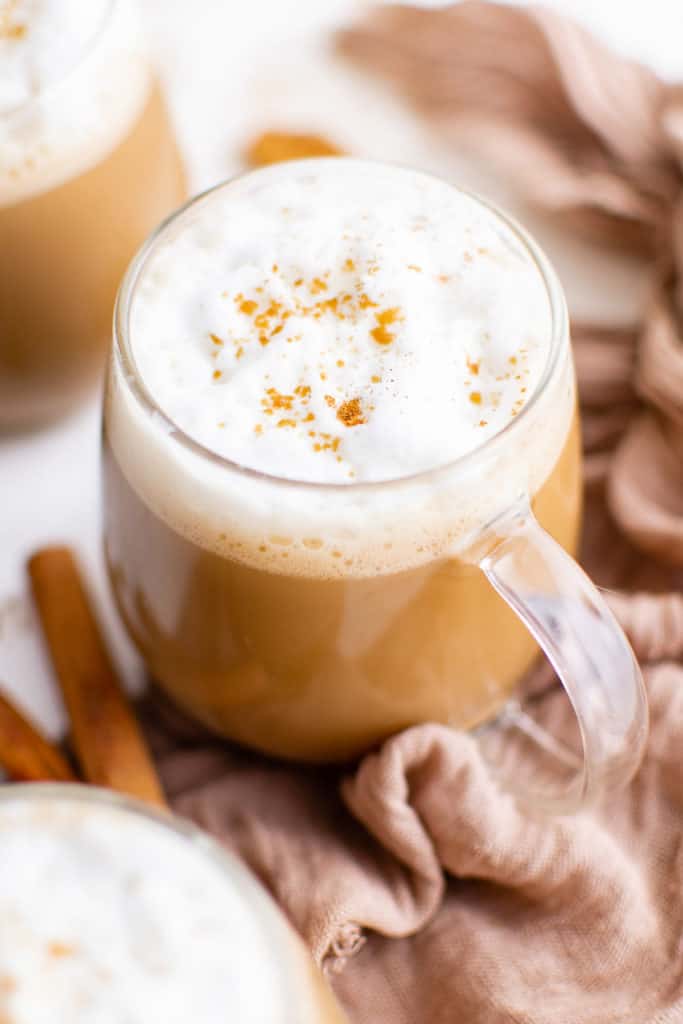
[
  {"x": 385, "y": 319},
  {"x": 350, "y": 413}
]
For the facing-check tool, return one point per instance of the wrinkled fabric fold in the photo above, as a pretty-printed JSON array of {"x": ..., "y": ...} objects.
[{"x": 426, "y": 892}]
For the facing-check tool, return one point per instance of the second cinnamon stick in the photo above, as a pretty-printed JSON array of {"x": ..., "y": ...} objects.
[
  {"x": 25, "y": 754},
  {"x": 106, "y": 735}
]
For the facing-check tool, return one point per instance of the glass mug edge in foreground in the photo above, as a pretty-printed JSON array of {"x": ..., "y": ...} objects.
[{"x": 277, "y": 932}]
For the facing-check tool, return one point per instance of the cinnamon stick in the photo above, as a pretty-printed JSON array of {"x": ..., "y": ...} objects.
[
  {"x": 106, "y": 735},
  {"x": 25, "y": 754},
  {"x": 276, "y": 147}
]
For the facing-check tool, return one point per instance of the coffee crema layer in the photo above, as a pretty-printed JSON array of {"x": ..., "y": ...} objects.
[
  {"x": 337, "y": 323},
  {"x": 109, "y": 915},
  {"x": 73, "y": 78}
]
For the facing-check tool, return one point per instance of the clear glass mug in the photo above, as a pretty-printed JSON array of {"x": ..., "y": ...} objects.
[
  {"x": 280, "y": 642},
  {"x": 70, "y": 219},
  {"x": 286, "y": 977}
]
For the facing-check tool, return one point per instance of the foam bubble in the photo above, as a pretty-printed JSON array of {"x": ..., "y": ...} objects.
[
  {"x": 73, "y": 77},
  {"x": 109, "y": 916}
]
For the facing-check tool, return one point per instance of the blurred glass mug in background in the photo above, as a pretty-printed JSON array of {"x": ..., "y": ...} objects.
[
  {"x": 113, "y": 912},
  {"x": 88, "y": 165},
  {"x": 256, "y": 373}
]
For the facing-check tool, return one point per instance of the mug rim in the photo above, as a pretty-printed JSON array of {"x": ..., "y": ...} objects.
[{"x": 131, "y": 376}]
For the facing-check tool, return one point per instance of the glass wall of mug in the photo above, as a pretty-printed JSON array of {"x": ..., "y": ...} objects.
[
  {"x": 312, "y": 621},
  {"x": 88, "y": 166},
  {"x": 128, "y": 913}
]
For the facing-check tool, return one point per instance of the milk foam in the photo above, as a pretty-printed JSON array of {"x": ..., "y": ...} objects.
[
  {"x": 108, "y": 916},
  {"x": 478, "y": 300},
  {"x": 341, "y": 323},
  {"x": 73, "y": 77}
]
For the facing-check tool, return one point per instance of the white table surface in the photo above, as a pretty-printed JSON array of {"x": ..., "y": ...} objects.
[{"x": 232, "y": 69}]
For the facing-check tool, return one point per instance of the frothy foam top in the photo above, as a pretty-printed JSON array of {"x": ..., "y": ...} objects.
[
  {"x": 73, "y": 76},
  {"x": 339, "y": 321},
  {"x": 40, "y": 41},
  {"x": 437, "y": 346},
  {"x": 109, "y": 916}
]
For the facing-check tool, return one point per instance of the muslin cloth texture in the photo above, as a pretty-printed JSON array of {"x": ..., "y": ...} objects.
[{"x": 425, "y": 892}]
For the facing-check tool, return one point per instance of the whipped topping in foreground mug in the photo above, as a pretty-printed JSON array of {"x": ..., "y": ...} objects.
[
  {"x": 340, "y": 403},
  {"x": 111, "y": 912}
]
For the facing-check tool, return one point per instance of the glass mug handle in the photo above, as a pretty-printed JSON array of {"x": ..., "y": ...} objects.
[{"x": 578, "y": 633}]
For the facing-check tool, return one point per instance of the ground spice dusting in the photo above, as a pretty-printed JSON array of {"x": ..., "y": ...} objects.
[
  {"x": 350, "y": 413},
  {"x": 385, "y": 319},
  {"x": 276, "y": 400},
  {"x": 475, "y": 397},
  {"x": 473, "y": 367},
  {"x": 269, "y": 318}
]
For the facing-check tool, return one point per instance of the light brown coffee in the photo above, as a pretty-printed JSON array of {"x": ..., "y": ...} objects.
[
  {"x": 321, "y": 669},
  {"x": 65, "y": 250}
]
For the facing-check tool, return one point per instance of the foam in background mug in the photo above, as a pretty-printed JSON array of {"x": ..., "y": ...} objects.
[
  {"x": 113, "y": 912},
  {"x": 342, "y": 473},
  {"x": 88, "y": 165}
]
